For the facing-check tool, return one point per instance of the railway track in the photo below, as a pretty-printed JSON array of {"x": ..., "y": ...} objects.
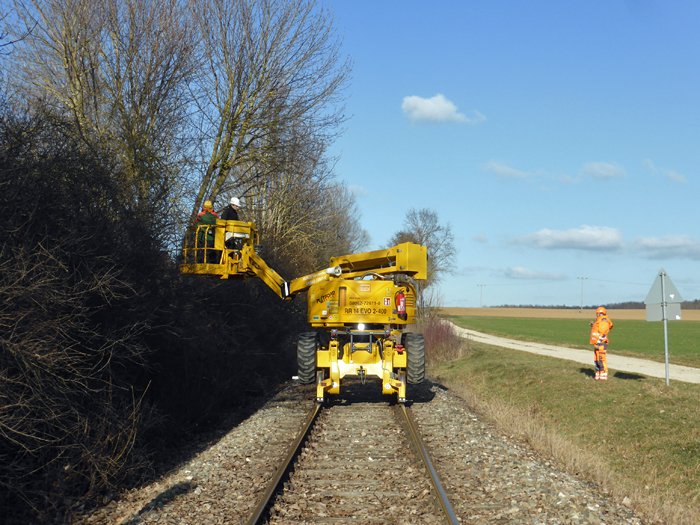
[
  {"x": 357, "y": 460},
  {"x": 356, "y": 465}
]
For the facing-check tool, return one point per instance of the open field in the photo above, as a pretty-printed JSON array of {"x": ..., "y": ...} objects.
[
  {"x": 631, "y": 335},
  {"x": 559, "y": 313}
]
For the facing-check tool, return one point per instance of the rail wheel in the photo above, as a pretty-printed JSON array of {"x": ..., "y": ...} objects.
[
  {"x": 415, "y": 358},
  {"x": 402, "y": 378},
  {"x": 306, "y": 357}
]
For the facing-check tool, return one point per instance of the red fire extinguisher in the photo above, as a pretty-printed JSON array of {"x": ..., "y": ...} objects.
[{"x": 401, "y": 305}]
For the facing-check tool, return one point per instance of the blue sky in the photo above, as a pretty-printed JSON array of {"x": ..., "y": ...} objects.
[{"x": 560, "y": 140}]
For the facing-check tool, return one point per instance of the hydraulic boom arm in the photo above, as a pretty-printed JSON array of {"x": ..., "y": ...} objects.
[{"x": 234, "y": 255}]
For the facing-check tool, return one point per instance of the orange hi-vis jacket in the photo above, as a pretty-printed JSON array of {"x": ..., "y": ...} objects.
[{"x": 600, "y": 330}]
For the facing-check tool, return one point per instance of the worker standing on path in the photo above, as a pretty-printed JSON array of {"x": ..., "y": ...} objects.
[{"x": 600, "y": 329}]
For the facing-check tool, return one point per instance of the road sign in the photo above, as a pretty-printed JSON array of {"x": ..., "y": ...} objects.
[
  {"x": 663, "y": 304},
  {"x": 655, "y": 312},
  {"x": 665, "y": 292}
]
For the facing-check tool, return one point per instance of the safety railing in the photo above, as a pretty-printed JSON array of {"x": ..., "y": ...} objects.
[{"x": 218, "y": 243}]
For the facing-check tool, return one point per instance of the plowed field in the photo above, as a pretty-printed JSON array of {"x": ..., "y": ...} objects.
[{"x": 559, "y": 313}]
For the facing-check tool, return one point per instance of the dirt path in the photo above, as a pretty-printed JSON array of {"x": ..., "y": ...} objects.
[{"x": 615, "y": 362}]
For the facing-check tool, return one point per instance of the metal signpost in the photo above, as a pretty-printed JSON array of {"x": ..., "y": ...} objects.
[{"x": 663, "y": 303}]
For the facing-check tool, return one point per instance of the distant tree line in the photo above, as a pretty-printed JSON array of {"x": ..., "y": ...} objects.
[
  {"x": 117, "y": 119},
  {"x": 627, "y": 305}
]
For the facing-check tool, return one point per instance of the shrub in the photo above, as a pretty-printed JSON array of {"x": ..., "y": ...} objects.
[
  {"x": 107, "y": 354},
  {"x": 72, "y": 357},
  {"x": 441, "y": 341}
]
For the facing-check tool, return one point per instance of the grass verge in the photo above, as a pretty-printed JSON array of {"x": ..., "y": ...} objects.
[{"x": 633, "y": 435}]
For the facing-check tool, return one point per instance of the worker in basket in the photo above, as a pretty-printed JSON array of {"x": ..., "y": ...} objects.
[
  {"x": 205, "y": 236},
  {"x": 230, "y": 213}
]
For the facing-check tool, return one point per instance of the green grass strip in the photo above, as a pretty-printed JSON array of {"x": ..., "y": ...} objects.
[{"x": 634, "y": 338}]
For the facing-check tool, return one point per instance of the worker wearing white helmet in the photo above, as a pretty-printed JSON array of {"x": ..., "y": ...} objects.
[{"x": 230, "y": 213}]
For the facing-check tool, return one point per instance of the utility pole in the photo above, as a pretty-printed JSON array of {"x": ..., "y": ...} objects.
[
  {"x": 582, "y": 279},
  {"x": 481, "y": 294}
]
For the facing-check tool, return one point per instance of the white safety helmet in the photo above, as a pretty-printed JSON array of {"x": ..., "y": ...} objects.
[{"x": 235, "y": 201}]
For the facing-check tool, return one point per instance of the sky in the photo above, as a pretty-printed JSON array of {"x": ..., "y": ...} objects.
[{"x": 559, "y": 140}]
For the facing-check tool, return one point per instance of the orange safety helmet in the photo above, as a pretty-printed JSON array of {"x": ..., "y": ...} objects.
[{"x": 601, "y": 310}]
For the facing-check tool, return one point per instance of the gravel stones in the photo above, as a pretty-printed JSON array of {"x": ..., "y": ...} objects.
[
  {"x": 493, "y": 479},
  {"x": 489, "y": 477}
]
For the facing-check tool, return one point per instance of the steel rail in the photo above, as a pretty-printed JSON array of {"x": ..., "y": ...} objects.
[
  {"x": 414, "y": 435},
  {"x": 285, "y": 467}
]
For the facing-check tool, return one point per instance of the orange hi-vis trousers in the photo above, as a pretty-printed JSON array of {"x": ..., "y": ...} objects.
[{"x": 601, "y": 362}]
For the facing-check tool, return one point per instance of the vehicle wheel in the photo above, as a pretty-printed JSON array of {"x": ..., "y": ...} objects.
[
  {"x": 306, "y": 357},
  {"x": 415, "y": 358}
]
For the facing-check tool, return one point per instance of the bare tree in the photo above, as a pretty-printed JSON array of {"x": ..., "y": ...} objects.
[
  {"x": 120, "y": 70},
  {"x": 304, "y": 215},
  {"x": 247, "y": 94},
  {"x": 149, "y": 65},
  {"x": 423, "y": 227},
  {"x": 272, "y": 70},
  {"x": 343, "y": 222}
]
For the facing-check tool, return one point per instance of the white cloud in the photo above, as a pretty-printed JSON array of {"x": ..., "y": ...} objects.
[
  {"x": 669, "y": 247},
  {"x": 436, "y": 109},
  {"x": 358, "y": 191},
  {"x": 524, "y": 273},
  {"x": 595, "y": 238},
  {"x": 480, "y": 238},
  {"x": 504, "y": 171},
  {"x": 595, "y": 170},
  {"x": 568, "y": 179},
  {"x": 603, "y": 171},
  {"x": 676, "y": 177},
  {"x": 673, "y": 176},
  {"x": 469, "y": 270}
]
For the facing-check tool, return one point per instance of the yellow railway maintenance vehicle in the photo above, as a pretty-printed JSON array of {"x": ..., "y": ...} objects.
[{"x": 361, "y": 304}]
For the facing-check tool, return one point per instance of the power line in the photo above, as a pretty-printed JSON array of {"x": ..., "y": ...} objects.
[
  {"x": 582, "y": 279},
  {"x": 618, "y": 282}
]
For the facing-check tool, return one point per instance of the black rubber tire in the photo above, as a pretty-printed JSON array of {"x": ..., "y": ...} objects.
[
  {"x": 415, "y": 358},
  {"x": 306, "y": 357}
]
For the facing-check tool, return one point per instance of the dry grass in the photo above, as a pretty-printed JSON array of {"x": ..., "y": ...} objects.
[
  {"x": 529, "y": 426},
  {"x": 557, "y": 313},
  {"x": 552, "y": 409}
]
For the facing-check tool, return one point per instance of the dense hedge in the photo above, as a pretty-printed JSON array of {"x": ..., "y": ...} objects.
[{"x": 106, "y": 353}]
